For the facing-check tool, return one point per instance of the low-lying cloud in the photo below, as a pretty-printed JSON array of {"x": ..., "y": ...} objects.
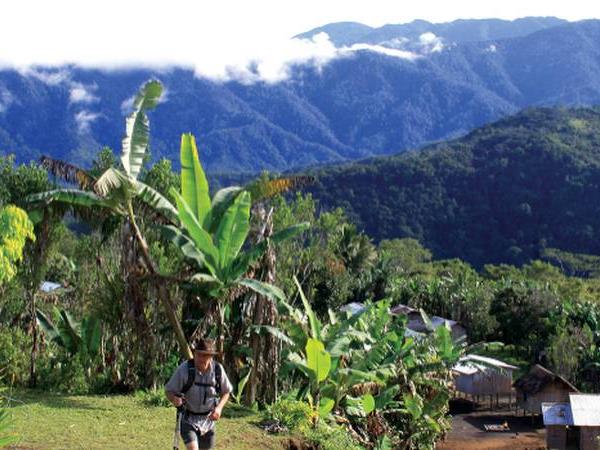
[{"x": 270, "y": 66}]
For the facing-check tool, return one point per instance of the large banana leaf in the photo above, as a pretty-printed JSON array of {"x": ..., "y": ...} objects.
[
  {"x": 49, "y": 328},
  {"x": 157, "y": 201},
  {"x": 70, "y": 332},
  {"x": 71, "y": 197},
  {"x": 221, "y": 201},
  {"x": 317, "y": 359},
  {"x": 233, "y": 229},
  {"x": 315, "y": 324},
  {"x": 202, "y": 239},
  {"x": 91, "y": 335},
  {"x": 186, "y": 246},
  {"x": 137, "y": 128},
  {"x": 266, "y": 289},
  {"x": 111, "y": 181},
  {"x": 194, "y": 186}
]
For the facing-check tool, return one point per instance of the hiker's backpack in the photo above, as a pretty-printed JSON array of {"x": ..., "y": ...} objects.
[{"x": 192, "y": 376}]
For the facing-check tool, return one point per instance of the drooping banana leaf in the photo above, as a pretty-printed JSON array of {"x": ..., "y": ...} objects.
[
  {"x": 71, "y": 197},
  {"x": 186, "y": 246},
  {"x": 194, "y": 186},
  {"x": 156, "y": 201},
  {"x": 201, "y": 238},
  {"x": 233, "y": 229},
  {"x": 49, "y": 328},
  {"x": 137, "y": 128},
  {"x": 273, "y": 331},
  {"x": 70, "y": 331},
  {"x": 112, "y": 182},
  {"x": 266, "y": 289}
]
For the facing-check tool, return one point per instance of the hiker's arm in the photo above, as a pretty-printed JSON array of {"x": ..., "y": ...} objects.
[
  {"x": 216, "y": 414},
  {"x": 176, "y": 400}
]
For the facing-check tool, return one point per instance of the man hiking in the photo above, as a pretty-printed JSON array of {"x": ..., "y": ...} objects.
[{"x": 199, "y": 388}]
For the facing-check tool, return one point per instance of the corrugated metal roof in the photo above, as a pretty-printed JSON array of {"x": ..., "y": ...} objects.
[
  {"x": 471, "y": 364},
  {"x": 585, "y": 409},
  {"x": 557, "y": 414},
  {"x": 49, "y": 286},
  {"x": 491, "y": 361}
]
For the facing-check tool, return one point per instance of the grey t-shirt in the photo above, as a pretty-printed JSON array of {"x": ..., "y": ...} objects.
[{"x": 195, "y": 399}]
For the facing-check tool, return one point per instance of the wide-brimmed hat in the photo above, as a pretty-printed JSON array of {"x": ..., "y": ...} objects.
[{"x": 205, "y": 346}]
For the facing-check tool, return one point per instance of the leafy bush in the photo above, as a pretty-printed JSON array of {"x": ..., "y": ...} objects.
[
  {"x": 66, "y": 374},
  {"x": 152, "y": 397},
  {"x": 331, "y": 437},
  {"x": 293, "y": 414},
  {"x": 14, "y": 357}
]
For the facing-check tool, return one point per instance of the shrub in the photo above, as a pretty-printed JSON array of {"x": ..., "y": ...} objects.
[
  {"x": 152, "y": 397},
  {"x": 14, "y": 356},
  {"x": 293, "y": 414},
  {"x": 331, "y": 437}
]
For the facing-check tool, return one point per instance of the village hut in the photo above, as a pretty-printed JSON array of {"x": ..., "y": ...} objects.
[
  {"x": 573, "y": 424},
  {"x": 541, "y": 385},
  {"x": 479, "y": 375},
  {"x": 416, "y": 323}
]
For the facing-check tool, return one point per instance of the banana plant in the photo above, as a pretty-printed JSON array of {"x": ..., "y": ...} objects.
[
  {"x": 212, "y": 233},
  {"x": 115, "y": 190},
  {"x": 75, "y": 337}
]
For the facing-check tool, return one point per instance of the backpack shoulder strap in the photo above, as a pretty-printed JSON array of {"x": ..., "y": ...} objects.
[
  {"x": 191, "y": 375},
  {"x": 218, "y": 377}
]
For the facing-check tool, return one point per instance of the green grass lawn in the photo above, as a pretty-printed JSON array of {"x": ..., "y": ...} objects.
[{"x": 54, "y": 421}]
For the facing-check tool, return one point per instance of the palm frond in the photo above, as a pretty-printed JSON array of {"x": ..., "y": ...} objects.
[{"x": 68, "y": 172}]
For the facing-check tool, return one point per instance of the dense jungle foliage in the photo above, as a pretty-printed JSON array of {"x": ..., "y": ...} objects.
[
  {"x": 502, "y": 194},
  {"x": 144, "y": 259}
]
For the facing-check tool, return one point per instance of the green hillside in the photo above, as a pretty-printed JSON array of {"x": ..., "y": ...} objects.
[{"x": 503, "y": 193}]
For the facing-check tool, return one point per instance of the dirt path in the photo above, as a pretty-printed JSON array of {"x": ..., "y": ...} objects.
[{"x": 468, "y": 432}]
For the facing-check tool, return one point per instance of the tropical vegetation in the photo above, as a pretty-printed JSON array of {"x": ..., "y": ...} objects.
[{"x": 114, "y": 269}]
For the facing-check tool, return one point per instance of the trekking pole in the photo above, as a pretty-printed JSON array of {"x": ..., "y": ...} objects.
[{"x": 178, "y": 425}]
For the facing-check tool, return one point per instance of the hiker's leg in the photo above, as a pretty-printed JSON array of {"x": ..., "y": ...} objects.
[
  {"x": 207, "y": 440},
  {"x": 189, "y": 436},
  {"x": 191, "y": 446}
]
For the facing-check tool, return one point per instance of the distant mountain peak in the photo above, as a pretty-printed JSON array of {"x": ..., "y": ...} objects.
[{"x": 458, "y": 31}]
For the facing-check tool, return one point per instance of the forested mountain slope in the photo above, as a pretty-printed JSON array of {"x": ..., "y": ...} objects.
[{"x": 502, "y": 193}]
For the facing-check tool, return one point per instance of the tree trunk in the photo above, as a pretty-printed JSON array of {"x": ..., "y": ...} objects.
[
  {"x": 34, "y": 344},
  {"x": 163, "y": 292},
  {"x": 262, "y": 384},
  {"x": 35, "y": 274}
]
